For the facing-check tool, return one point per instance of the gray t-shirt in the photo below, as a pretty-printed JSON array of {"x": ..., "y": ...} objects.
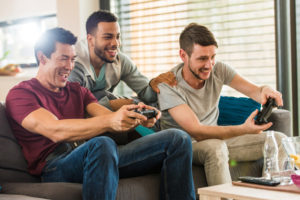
[{"x": 204, "y": 101}]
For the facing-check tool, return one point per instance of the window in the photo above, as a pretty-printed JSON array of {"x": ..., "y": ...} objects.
[
  {"x": 18, "y": 37},
  {"x": 244, "y": 29}
]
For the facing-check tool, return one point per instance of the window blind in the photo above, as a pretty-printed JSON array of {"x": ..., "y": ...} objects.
[{"x": 244, "y": 29}]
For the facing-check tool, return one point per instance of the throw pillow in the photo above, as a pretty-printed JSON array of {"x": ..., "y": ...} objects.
[{"x": 235, "y": 110}]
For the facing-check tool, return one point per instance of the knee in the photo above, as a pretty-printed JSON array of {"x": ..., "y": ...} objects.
[
  {"x": 181, "y": 137},
  {"x": 103, "y": 145},
  {"x": 211, "y": 149}
]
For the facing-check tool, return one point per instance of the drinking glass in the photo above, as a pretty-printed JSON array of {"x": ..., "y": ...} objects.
[{"x": 288, "y": 170}]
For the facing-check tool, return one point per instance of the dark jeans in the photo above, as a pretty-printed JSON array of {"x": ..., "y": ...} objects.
[{"x": 98, "y": 163}]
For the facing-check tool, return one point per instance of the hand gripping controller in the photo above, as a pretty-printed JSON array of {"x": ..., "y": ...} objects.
[
  {"x": 264, "y": 114},
  {"x": 148, "y": 113}
]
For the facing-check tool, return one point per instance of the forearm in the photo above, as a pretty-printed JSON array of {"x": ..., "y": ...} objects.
[
  {"x": 116, "y": 104},
  {"x": 203, "y": 132},
  {"x": 43, "y": 122},
  {"x": 75, "y": 129},
  {"x": 256, "y": 93},
  {"x": 247, "y": 88}
]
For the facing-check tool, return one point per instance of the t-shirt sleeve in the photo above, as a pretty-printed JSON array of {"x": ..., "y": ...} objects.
[
  {"x": 225, "y": 72},
  {"x": 169, "y": 97},
  {"x": 20, "y": 102},
  {"x": 88, "y": 96}
]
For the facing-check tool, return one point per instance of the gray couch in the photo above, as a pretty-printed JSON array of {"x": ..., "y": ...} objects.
[{"x": 18, "y": 184}]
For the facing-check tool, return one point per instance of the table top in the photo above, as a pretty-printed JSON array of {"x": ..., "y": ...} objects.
[
  {"x": 7, "y": 82},
  {"x": 244, "y": 193}
]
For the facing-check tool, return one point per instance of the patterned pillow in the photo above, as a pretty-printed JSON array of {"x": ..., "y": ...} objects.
[{"x": 235, "y": 110}]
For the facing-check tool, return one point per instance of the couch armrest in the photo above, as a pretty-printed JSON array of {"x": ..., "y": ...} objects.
[{"x": 281, "y": 119}]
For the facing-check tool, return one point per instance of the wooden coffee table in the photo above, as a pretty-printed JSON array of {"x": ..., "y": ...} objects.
[{"x": 243, "y": 193}]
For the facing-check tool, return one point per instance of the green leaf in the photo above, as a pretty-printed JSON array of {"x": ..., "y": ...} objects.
[{"x": 4, "y": 55}]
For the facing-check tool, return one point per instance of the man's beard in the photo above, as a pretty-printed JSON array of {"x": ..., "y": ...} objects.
[
  {"x": 195, "y": 75},
  {"x": 101, "y": 55}
]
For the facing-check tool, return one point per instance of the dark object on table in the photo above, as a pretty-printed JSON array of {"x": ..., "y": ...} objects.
[{"x": 259, "y": 180}]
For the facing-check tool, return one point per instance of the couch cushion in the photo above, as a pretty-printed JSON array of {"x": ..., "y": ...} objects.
[
  {"x": 5, "y": 130},
  {"x": 281, "y": 120},
  {"x": 55, "y": 191},
  {"x": 17, "y": 197},
  {"x": 250, "y": 168},
  {"x": 147, "y": 187},
  {"x": 9, "y": 175},
  {"x": 11, "y": 156}
]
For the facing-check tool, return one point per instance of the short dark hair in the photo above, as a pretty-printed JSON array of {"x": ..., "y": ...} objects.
[
  {"x": 196, "y": 34},
  {"x": 99, "y": 16},
  {"x": 47, "y": 42}
]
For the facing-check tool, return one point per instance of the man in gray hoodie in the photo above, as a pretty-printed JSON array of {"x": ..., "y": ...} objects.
[{"x": 100, "y": 65}]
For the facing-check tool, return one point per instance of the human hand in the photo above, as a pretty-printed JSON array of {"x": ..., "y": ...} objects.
[
  {"x": 167, "y": 77},
  {"x": 125, "y": 118},
  {"x": 249, "y": 126},
  {"x": 267, "y": 92},
  {"x": 151, "y": 121}
]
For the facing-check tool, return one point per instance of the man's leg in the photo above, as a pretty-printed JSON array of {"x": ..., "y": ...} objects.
[
  {"x": 169, "y": 150},
  {"x": 94, "y": 164},
  {"x": 213, "y": 154},
  {"x": 250, "y": 147}
]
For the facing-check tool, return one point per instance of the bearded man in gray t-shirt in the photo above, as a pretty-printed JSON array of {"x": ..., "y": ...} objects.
[{"x": 192, "y": 105}]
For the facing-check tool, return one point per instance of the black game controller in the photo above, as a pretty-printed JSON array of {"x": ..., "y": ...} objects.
[
  {"x": 147, "y": 112},
  {"x": 264, "y": 114}
]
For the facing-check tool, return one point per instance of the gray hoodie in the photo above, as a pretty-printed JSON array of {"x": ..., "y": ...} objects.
[{"x": 121, "y": 69}]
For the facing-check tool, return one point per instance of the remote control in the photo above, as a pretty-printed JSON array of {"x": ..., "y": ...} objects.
[
  {"x": 264, "y": 114},
  {"x": 259, "y": 180},
  {"x": 146, "y": 112}
]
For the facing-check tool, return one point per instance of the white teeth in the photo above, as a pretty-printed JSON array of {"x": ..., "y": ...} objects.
[{"x": 64, "y": 75}]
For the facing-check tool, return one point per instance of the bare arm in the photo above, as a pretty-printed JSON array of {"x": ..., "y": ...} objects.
[
  {"x": 43, "y": 122},
  {"x": 259, "y": 94},
  {"x": 187, "y": 119},
  {"x": 116, "y": 104}
]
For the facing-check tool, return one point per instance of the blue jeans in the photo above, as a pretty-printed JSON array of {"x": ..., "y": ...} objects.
[{"x": 99, "y": 162}]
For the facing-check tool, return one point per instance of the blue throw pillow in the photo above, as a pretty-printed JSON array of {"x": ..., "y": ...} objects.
[{"x": 235, "y": 110}]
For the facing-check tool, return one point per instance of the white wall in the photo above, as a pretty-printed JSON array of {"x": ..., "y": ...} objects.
[
  {"x": 72, "y": 14},
  {"x": 18, "y": 9}
]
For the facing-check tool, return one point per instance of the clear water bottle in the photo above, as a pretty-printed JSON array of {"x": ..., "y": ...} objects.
[{"x": 271, "y": 168}]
